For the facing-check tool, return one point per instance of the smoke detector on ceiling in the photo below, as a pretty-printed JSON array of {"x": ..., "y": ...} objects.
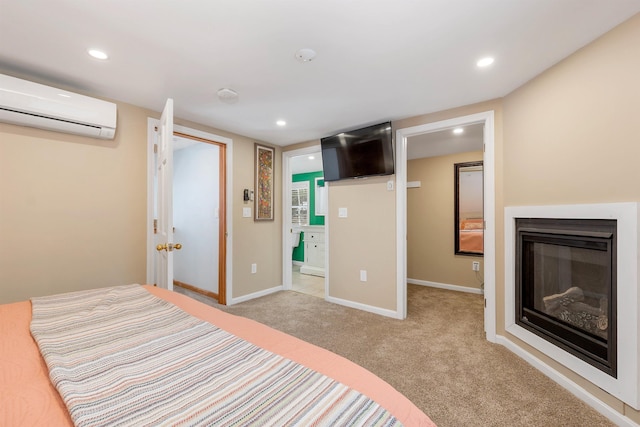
[
  {"x": 227, "y": 95},
  {"x": 305, "y": 55}
]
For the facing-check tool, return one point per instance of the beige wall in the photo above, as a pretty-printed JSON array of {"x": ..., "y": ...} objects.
[
  {"x": 365, "y": 240},
  {"x": 430, "y": 223},
  {"x": 571, "y": 136},
  {"x": 73, "y": 211},
  {"x": 255, "y": 242}
]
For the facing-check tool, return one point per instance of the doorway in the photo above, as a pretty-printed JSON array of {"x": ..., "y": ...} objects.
[
  {"x": 304, "y": 251},
  {"x": 201, "y": 211},
  {"x": 197, "y": 222},
  {"x": 402, "y": 137},
  {"x": 445, "y": 244}
]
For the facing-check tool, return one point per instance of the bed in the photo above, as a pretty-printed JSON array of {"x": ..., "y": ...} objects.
[
  {"x": 471, "y": 236},
  {"x": 28, "y": 396}
]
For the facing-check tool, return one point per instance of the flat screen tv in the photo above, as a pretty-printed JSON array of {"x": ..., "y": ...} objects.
[{"x": 358, "y": 153}]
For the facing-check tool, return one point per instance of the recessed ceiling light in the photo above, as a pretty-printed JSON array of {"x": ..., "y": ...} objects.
[
  {"x": 458, "y": 131},
  {"x": 311, "y": 157},
  {"x": 281, "y": 123},
  {"x": 305, "y": 55},
  {"x": 485, "y": 62},
  {"x": 98, "y": 54}
]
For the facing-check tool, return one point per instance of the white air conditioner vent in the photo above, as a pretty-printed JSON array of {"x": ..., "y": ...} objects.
[{"x": 31, "y": 104}]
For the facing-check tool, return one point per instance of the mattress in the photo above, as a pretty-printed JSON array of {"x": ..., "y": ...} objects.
[{"x": 27, "y": 396}]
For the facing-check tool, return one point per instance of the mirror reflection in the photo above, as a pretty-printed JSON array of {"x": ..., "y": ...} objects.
[{"x": 469, "y": 203}]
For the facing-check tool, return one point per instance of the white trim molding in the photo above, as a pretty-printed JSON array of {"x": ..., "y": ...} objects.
[
  {"x": 364, "y": 307},
  {"x": 447, "y": 286},
  {"x": 265, "y": 292}
]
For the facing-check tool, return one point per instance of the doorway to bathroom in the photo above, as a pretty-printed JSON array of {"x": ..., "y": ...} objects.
[{"x": 304, "y": 207}]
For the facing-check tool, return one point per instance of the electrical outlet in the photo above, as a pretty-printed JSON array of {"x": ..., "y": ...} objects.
[
  {"x": 363, "y": 275},
  {"x": 475, "y": 265},
  {"x": 254, "y": 268}
]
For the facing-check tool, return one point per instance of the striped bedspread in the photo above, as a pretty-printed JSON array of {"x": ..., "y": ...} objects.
[{"x": 121, "y": 356}]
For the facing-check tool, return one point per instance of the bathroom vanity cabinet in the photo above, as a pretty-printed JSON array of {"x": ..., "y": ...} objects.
[{"x": 314, "y": 251}]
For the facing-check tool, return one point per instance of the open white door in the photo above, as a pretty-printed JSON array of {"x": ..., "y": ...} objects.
[{"x": 164, "y": 200}]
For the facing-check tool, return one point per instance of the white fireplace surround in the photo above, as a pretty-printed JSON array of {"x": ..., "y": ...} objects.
[{"x": 626, "y": 386}]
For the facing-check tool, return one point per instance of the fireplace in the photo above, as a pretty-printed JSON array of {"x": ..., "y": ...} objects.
[
  {"x": 572, "y": 302},
  {"x": 566, "y": 285}
]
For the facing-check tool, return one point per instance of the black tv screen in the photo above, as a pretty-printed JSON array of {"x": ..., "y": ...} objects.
[{"x": 358, "y": 153}]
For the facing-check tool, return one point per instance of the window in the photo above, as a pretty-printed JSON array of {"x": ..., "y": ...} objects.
[{"x": 300, "y": 203}]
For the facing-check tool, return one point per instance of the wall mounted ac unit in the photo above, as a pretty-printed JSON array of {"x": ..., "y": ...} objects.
[{"x": 31, "y": 104}]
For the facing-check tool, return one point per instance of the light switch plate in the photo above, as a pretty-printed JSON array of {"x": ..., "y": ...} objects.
[
  {"x": 246, "y": 212},
  {"x": 342, "y": 212}
]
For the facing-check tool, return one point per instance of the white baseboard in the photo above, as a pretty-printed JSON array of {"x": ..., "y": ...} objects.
[
  {"x": 445, "y": 286},
  {"x": 254, "y": 295},
  {"x": 582, "y": 394},
  {"x": 363, "y": 307}
]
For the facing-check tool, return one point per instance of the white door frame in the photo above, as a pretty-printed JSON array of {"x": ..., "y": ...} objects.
[
  {"x": 151, "y": 251},
  {"x": 287, "y": 262},
  {"x": 402, "y": 135}
]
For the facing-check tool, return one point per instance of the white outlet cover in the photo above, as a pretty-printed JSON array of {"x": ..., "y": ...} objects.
[
  {"x": 246, "y": 212},
  {"x": 342, "y": 212}
]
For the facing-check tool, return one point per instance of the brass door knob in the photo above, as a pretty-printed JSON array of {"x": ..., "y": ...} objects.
[{"x": 168, "y": 247}]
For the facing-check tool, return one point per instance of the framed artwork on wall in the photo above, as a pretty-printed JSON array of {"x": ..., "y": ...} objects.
[{"x": 264, "y": 163}]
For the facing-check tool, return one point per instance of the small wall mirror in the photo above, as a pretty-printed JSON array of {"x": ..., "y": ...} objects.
[{"x": 469, "y": 206}]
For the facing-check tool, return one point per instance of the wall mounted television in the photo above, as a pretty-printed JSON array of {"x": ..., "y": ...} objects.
[{"x": 358, "y": 153}]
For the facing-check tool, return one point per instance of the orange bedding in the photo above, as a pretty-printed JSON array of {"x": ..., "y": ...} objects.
[
  {"x": 27, "y": 397},
  {"x": 471, "y": 241}
]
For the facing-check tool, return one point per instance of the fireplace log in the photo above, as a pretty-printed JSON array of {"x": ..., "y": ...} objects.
[
  {"x": 553, "y": 302},
  {"x": 568, "y": 307}
]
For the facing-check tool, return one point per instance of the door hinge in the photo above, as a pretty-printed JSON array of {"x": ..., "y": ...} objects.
[
  {"x": 155, "y": 148},
  {"x": 155, "y": 226},
  {"x": 484, "y": 225},
  {"x": 485, "y": 303}
]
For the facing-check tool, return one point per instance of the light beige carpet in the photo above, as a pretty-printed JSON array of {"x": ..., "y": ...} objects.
[{"x": 437, "y": 357}]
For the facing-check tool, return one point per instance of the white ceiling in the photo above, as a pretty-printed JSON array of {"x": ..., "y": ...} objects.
[
  {"x": 445, "y": 142},
  {"x": 376, "y": 60},
  {"x": 306, "y": 163}
]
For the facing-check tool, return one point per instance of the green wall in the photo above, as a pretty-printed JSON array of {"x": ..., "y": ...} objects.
[{"x": 298, "y": 253}]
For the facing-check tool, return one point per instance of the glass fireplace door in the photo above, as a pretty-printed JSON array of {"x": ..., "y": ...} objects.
[{"x": 566, "y": 288}]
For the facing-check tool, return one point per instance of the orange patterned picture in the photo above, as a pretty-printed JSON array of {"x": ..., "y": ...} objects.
[{"x": 264, "y": 159}]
